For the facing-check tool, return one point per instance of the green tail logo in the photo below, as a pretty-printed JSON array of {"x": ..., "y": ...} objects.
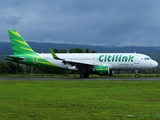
[
  {"x": 19, "y": 45},
  {"x": 24, "y": 54}
]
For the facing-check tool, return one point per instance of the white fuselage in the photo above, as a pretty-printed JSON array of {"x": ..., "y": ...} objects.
[{"x": 115, "y": 61}]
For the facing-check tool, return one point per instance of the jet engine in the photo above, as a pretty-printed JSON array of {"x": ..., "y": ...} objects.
[
  {"x": 72, "y": 68},
  {"x": 101, "y": 70}
]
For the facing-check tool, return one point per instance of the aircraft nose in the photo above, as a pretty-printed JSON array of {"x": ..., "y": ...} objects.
[{"x": 155, "y": 64}]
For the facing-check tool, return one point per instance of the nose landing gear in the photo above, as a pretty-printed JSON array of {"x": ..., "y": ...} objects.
[{"x": 136, "y": 74}]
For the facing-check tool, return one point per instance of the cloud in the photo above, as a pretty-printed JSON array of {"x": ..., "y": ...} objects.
[
  {"x": 96, "y": 22},
  {"x": 9, "y": 21}
]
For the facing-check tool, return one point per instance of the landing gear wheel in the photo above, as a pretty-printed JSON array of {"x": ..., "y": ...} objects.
[
  {"x": 136, "y": 76},
  {"x": 84, "y": 75}
]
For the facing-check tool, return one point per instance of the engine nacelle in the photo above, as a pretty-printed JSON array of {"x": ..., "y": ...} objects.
[
  {"x": 102, "y": 70},
  {"x": 72, "y": 68}
]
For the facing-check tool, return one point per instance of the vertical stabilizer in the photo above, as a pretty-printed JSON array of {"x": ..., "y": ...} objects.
[{"x": 19, "y": 45}]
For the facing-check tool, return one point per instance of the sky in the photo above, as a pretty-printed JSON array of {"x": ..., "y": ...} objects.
[{"x": 86, "y": 22}]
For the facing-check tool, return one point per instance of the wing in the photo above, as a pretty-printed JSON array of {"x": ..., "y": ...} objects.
[{"x": 78, "y": 64}]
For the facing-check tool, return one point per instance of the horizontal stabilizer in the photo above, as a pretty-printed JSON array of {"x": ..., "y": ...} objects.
[{"x": 12, "y": 57}]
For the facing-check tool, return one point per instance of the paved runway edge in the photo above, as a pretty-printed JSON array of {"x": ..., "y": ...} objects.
[{"x": 76, "y": 78}]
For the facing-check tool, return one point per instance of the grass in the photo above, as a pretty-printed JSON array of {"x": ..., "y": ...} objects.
[{"x": 73, "y": 99}]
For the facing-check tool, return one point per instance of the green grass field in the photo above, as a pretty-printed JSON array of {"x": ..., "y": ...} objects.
[{"x": 79, "y": 99}]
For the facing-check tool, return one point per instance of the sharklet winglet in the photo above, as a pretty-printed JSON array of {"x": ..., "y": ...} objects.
[{"x": 54, "y": 55}]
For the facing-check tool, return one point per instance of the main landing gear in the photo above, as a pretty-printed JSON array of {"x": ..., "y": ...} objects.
[
  {"x": 84, "y": 75},
  {"x": 136, "y": 74}
]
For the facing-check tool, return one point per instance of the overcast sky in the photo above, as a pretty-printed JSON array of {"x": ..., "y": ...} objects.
[{"x": 89, "y": 22}]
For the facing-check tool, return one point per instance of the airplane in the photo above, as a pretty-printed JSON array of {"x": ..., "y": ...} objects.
[{"x": 85, "y": 63}]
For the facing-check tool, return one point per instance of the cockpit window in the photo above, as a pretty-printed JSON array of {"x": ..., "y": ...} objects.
[{"x": 147, "y": 58}]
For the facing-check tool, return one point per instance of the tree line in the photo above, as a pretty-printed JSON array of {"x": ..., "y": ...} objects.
[
  {"x": 74, "y": 50},
  {"x": 15, "y": 68}
]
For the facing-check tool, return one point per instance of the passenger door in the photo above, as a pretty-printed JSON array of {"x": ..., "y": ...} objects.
[{"x": 35, "y": 59}]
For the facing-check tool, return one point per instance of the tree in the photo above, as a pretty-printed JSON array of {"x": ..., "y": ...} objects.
[
  {"x": 63, "y": 51},
  {"x": 92, "y": 51},
  {"x": 76, "y": 50},
  {"x": 87, "y": 50},
  {"x": 56, "y": 50}
]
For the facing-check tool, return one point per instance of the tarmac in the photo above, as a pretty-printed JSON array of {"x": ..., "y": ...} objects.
[{"x": 77, "y": 78}]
